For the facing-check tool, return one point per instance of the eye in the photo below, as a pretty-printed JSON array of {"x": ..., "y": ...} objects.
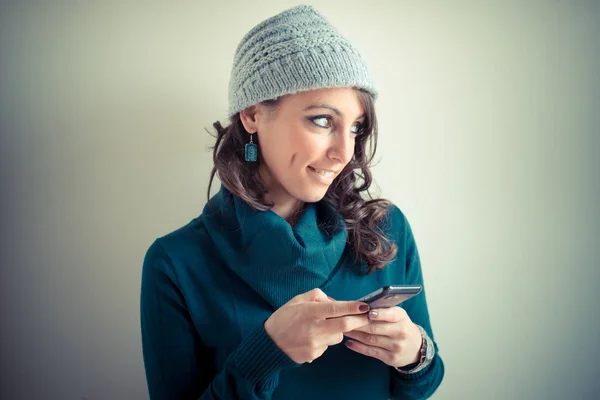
[
  {"x": 360, "y": 129},
  {"x": 321, "y": 117}
]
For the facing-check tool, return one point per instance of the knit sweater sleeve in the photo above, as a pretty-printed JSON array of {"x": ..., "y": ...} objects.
[
  {"x": 177, "y": 363},
  {"x": 422, "y": 384}
]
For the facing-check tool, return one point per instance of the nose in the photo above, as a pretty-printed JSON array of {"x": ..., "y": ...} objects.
[{"x": 341, "y": 147}]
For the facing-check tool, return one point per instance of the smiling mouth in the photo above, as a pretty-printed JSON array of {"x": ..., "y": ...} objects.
[{"x": 324, "y": 173}]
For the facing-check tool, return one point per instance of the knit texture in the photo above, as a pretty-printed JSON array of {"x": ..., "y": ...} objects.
[
  {"x": 309, "y": 251},
  {"x": 295, "y": 50},
  {"x": 204, "y": 302}
]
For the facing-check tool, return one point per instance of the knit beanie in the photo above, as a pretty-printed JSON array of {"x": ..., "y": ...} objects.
[{"x": 295, "y": 50}]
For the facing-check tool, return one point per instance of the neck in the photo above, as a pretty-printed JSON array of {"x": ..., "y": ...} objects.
[
  {"x": 277, "y": 260},
  {"x": 287, "y": 209}
]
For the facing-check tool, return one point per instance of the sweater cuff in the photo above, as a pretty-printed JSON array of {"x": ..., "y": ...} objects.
[
  {"x": 415, "y": 375},
  {"x": 258, "y": 358}
]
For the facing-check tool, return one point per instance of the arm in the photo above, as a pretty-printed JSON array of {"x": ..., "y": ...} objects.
[
  {"x": 178, "y": 365},
  {"x": 421, "y": 384}
]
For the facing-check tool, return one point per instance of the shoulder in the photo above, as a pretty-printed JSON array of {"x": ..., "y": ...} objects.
[
  {"x": 396, "y": 225},
  {"x": 184, "y": 245}
]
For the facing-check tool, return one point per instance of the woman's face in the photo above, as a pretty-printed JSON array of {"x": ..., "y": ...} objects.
[{"x": 304, "y": 144}]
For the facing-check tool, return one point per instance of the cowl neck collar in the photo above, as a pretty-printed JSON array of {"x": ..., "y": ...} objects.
[{"x": 277, "y": 260}]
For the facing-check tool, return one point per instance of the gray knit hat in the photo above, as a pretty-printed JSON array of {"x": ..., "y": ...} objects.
[{"x": 293, "y": 51}]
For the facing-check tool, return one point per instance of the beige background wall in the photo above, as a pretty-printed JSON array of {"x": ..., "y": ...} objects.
[{"x": 489, "y": 120}]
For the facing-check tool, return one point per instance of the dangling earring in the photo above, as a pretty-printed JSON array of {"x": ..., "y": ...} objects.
[{"x": 251, "y": 151}]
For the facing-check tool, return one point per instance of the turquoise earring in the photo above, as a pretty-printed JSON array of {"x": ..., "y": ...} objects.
[{"x": 251, "y": 151}]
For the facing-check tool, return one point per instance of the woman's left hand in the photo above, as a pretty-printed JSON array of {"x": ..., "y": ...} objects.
[{"x": 390, "y": 336}]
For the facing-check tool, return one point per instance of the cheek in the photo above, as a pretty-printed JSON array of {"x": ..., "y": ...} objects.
[
  {"x": 308, "y": 148},
  {"x": 275, "y": 148},
  {"x": 293, "y": 149}
]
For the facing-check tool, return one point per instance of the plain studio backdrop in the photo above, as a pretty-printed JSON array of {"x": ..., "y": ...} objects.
[{"x": 489, "y": 120}]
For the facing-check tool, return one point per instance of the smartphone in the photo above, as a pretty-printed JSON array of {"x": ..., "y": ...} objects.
[{"x": 391, "y": 296}]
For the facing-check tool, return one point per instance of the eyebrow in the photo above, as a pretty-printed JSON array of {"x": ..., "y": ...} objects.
[{"x": 335, "y": 110}]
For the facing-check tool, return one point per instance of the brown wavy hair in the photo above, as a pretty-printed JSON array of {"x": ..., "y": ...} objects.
[{"x": 363, "y": 218}]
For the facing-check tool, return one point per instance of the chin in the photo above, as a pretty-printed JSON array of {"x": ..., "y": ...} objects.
[
  {"x": 315, "y": 196},
  {"x": 311, "y": 194}
]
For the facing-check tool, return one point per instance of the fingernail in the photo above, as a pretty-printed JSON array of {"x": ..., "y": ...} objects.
[
  {"x": 364, "y": 307},
  {"x": 331, "y": 298},
  {"x": 349, "y": 343},
  {"x": 373, "y": 314}
]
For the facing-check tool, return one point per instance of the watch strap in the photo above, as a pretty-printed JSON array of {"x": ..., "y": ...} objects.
[{"x": 427, "y": 352}]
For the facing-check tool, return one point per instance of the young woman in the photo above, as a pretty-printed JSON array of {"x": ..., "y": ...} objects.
[{"x": 256, "y": 297}]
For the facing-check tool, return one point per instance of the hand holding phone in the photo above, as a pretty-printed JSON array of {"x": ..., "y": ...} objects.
[{"x": 391, "y": 296}]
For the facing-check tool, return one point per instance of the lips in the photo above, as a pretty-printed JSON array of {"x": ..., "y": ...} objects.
[
  {"x": 322, "y": 169},
  {"x": 325, "y": 178}
]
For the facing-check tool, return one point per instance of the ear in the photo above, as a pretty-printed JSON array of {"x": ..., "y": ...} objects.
[{"x": 249, "y": 120}]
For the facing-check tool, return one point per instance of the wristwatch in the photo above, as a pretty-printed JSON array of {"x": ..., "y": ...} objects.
[{"x": 427, "y": 353}]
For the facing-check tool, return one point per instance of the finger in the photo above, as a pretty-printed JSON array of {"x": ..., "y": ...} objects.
[
  {"x": 332, "y": 309},
  {"x": 315, "y": 295},
  {"x": 318, "y": 352},
  {"x": 370, "y": 351},
  {"x": 343, "y": 324},
  {"x": 392, "y": 314},
  {"x": 334, "y": 339},
  {"x": 383, "y": 342},
  {"x": 379, "y": 328}
]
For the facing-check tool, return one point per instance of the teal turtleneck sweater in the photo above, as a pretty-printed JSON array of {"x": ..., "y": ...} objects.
[{"x": 208, "y": 287}]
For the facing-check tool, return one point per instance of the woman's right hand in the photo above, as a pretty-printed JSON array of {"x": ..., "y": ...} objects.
[{"x": 306, "y": 325}]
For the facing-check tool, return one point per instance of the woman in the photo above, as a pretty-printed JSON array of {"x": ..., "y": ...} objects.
[{"x": 253, "y": 298}]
